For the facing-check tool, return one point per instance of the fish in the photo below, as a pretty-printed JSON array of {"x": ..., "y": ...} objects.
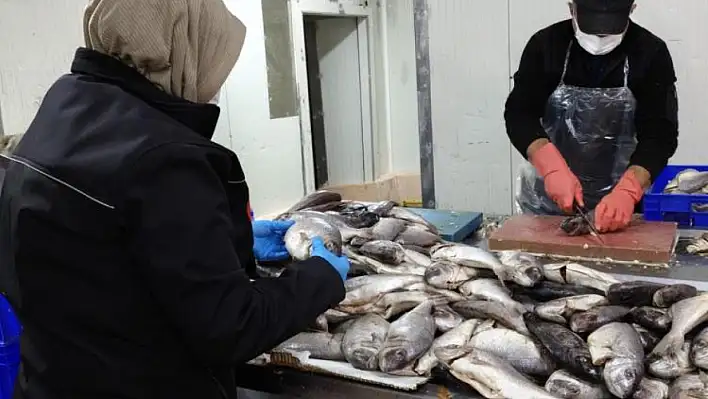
[
  {"x": 387, "y": 229},
  {"x": 320, "y": 345},
  {"x": 649, "y": 339},
  {"x": 395, "y": 303},
  {"x": 381, "y": 208},
  {"x": 321, "y": 324},
  {"x": 653, "y": 319},
  {"x": 650, "y": 388},
  {"x": 567, "y": 347},
  {"x": 417, "y": 258},
  {"x": 446, "y": 319},
  {"x": 578, "y": 225},
  {"x": 567, "y": 386},
  {"x": 490, "y": 290},
  {"x": 411, "y": 217},
  {"x": 384, "y": 251},
  {"x": 408, "y": 338},
  {"x": 419, "y": 236},
  {"x": 492, "y": 377},
  {"x": 549, "y": 290},
  {"x": 694, "y": 384},
  {"x": 314, "y": 199},
  {"x": 560, "y": 310},
  {"x": 337, "y": 317},
  {"x": 450, "y": 342},
  {"x": 520, "y": 351},
  {"x": 699, "y": 349},
  {"x": 591, "y": 320},
  {"x": 521, "y": 268},
  {"x": 298, "y": 238},
  {"x": 363, "y": 341},
  {"x": 698, "y": 245},
  {"x": 575, "y": 273},
  {"x": 667, "y": 296},
  {"x": 347, "y": 232},
  {"x": 686, "y": 314},
  {"x": 449, "y": 275},
  {"x": 368, "y": 289},
  {"x": 376, "y": 267},
  {"x": 509, "y": 317},
  {"x": 633, "y": 293},
  {"x": 692, "y": 182},
  {"x": 672, "y": 364},
  {"x": 618, "y": 347},
  {"x": 420, "y": 250},
  {"x": 343, "y": 327}
]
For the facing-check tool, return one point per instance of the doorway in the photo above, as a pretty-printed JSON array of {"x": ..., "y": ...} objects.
[{"x": 333, "y": 77}]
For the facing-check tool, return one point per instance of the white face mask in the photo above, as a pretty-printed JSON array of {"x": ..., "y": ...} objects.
[
  {"x": 597, "y": 45},
  {"x": 215, "y": 100}
]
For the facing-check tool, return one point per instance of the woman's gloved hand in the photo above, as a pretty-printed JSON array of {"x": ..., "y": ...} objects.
[
  {"x": 339, "y": 263},
  {"x": 562, "y": 186},
  {"x": 614, "y": 212},
  {"x": 268, "y": 243}
]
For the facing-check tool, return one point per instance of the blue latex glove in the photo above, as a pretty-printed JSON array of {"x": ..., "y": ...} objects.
[
  {"x": 339, "y": 263},
  {"x": 268, "y": 243}
]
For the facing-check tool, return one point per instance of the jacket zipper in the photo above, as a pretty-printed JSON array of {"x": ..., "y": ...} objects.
[{"x": 222, "y": 391}]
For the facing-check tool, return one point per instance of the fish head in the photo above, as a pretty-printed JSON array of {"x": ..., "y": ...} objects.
[
  {"x": 393, "y": 359},
  {"x": 564, "y": 388},
  {"x": 585, "y": 364},
  {"x": 365, "y": 358},
  {"x": 699, "y": 351},
  {"x": 528, "y": 276},
  {"x": 622, "y": 375},
  {"x": 573, "y": 226}
]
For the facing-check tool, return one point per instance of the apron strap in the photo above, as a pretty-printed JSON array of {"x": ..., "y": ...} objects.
[
  {"x": 565, "y": 64},
  {"x": 626, "y": 72}
]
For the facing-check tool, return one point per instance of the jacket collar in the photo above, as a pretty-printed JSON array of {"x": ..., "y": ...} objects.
[{"x": 201, "y": 118}]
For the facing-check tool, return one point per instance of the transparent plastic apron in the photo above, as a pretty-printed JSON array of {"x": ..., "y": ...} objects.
[{"x": 593, "y": 129}]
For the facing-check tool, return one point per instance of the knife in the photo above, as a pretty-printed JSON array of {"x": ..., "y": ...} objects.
[{"x": 593, "y": 230}]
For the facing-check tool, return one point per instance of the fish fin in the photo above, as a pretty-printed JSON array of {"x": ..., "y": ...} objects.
[{"x": 668, "y": 345}]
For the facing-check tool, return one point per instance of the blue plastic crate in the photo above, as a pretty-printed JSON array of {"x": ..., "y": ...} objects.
[
  {"x": 10, "y": 331},
  {"x": 675, "y": 207}
]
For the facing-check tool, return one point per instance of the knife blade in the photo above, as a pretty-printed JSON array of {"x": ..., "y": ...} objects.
[{"x": 591, "y": 225}]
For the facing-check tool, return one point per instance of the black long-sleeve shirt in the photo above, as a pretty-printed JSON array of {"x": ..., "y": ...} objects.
[{"x": 652, "y": 79}]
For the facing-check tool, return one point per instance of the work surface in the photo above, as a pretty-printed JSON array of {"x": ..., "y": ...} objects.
[{"x": 645, "y": 242}]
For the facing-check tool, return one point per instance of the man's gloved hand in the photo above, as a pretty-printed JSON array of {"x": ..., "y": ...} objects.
[
  {"x": 339, "y": 263},
  {"x": 562, "y": 186},
  {"x": 268, "y": 244},
  {"x": 615, "y": 211}
]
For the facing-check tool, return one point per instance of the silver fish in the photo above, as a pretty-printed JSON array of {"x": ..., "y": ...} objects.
[
  {"x": 618, "y": 347},
  {"x": 449, "y": 275},
  {"x": 693, "y": 182},
  {"x": 686, "y": 314},
  {"x": 317, "y": 198},
  {"x": 408, "y": 338},
  {"x": 567, "y": 386},
  {"x": 450, "y": 342},
  {"x": 691, "y": 386},
  {"x": 699, "y": 350},
  {"x": 490, "y": 290},
  {"x": 574, "y": 273},
  {"x": 320, "y": 345},
  {"x": 384, "y": 251},
  {"x": 584, "y": 322},
  {"x": 495, "y": 378},
  {"x": 698, "y": 245},
  {"x": 669, "y": 295},
  {"x": 395, "y": 303},
  {"x": 363, "y": 341},
  {"x": 347, "y": 232},
  {"x": 509, "y": 317},
  {"x": 650, "y": 388},
  {"x": 388, "y": 229},
  {"x": 446, "y": 319},
  {"x": 368, "y": 289},
  {"x": 673, "y": 364},
  {"x": 520, "y": 351},
  {"x": 381, "y": 208},
  {"x": 412, "y": 217},
  {"x": 523, "y": 269},
  {"x": 417, "y": 258},
  {"x": 560, "y": 310},
  {"x": 417, "y": 235},
  {"x": 452, "y": 296},
  {"x": 374, "y": 266},
  {"x": 336, "y": 317},
  {"x": 469, "y": 256},
  {"x": 298, "y": 239}
]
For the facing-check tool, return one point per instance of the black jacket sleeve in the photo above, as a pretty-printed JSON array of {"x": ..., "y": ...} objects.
[
  {"x": 527, "y": 101},
  {"x": 656, "y": 118},
  {"x": 181, "y": 236}
]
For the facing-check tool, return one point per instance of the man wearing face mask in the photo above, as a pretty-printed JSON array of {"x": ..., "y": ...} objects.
[{"x": 594, "y": 110}]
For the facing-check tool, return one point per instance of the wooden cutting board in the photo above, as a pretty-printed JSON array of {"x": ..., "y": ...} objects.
[{"x": 643, "y": 242}]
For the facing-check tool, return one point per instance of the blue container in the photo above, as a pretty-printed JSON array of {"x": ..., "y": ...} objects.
[
  {"x": 10, "y": 330},
  {"x": 675, "y": 207}
]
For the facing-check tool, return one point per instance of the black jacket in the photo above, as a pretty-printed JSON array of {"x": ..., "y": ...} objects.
[
  {"x": 651, "y": 78},
  {"x": 127, "y": 231}
]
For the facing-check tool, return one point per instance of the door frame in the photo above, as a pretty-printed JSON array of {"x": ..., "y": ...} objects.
[{"x": 366, "y": 31}]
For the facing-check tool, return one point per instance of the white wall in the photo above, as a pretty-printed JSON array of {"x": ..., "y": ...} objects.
[{"x": 475, "y": 49}]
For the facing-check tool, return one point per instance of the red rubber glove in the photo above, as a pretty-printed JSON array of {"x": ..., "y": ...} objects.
[
  {"x": 562, "y": 186},
  {"x": 615, "y": 211}
]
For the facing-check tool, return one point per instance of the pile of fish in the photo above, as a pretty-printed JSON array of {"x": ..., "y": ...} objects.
[
  {"x": 689, "y": 181},
  {"x": 506, "y": 325}
]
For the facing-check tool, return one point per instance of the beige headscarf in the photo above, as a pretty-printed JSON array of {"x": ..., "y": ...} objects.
[{"x": 187, "y": 47}]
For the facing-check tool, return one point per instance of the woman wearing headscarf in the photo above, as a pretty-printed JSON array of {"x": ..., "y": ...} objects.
[{"x": 126, "y": 244}]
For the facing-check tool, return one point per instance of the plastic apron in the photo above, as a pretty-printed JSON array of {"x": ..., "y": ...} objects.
[{"x": 593, "y": 129}]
